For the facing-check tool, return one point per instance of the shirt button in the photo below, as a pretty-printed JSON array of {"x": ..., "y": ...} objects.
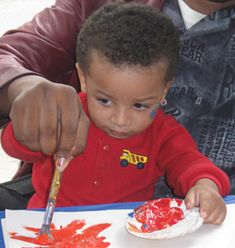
[
  {"x": 102, "y": 166},
  {"x": 106, "y": 148},
  {"x": 96, "y": 183}
]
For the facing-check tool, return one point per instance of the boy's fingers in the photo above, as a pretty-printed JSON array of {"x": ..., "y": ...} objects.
[
  {"x": 215, "y": 214},
  {"x": 215, "y": 219},
  {"x": 190, "y": 199},
  {"x": 204, "y": 207},
  {"x": 203, "y": 213},
  {"x": 193, "y": 199}
]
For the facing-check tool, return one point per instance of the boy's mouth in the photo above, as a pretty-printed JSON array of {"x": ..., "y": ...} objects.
[{"x": 118, "y": 134}]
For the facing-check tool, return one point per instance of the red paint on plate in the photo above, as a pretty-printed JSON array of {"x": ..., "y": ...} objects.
[
  {"x": 158, "y": 214},
  {"x": 68, "y": 236}
]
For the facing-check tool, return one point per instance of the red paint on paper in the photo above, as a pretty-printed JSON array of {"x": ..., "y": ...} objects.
[
  {"x": 158, "y": 214},
  {"x": 68, "y": 236}
]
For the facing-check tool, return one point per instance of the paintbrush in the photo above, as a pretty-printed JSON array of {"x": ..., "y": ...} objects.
[{"x": 60, "y": 164}]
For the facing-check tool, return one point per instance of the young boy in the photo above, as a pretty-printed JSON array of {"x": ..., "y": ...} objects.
[{"x": 126, "y": 61}]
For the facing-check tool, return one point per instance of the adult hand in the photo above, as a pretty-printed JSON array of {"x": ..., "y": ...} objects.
[
  {"x": 47, "y": 117},
  {"x": 205, "y": 194}
]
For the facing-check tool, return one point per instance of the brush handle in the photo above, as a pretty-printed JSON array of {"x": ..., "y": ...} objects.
[
  {"x": 60, "y": 164},
  {"x": 50, "y": 208},
  {"x": 55, "y": 185}
]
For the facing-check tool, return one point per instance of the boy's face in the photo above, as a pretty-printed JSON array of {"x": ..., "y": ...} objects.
[{"x": 120, "y": 100}]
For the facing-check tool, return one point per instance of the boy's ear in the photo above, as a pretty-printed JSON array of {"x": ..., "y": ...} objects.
[
  {"x": 167, "y": 87},
  {"x": 81, "y": 76}
]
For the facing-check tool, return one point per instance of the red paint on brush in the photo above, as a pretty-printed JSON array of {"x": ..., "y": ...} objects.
[
  {"x": 158, "y": 214},
  {"x": 66, "y": 237}
]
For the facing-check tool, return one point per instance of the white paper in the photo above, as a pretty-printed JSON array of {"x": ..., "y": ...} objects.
[{"x": 209, "y": 236}]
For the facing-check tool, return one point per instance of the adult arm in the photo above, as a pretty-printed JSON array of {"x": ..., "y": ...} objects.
[
  {"x": 31, "y": 59},
  {"x": 44, "y": 46}
]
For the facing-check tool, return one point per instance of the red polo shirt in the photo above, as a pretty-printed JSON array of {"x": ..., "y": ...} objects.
[{"x": 121, "y": 170}]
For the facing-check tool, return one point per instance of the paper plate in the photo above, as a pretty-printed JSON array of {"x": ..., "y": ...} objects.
[{"x": 164, "y": 218}]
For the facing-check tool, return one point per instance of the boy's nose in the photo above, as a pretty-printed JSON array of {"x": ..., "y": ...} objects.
[{"x": 120, "y": 118}]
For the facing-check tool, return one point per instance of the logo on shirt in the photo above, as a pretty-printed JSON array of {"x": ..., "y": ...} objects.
[{"x": 128, "y": 157}]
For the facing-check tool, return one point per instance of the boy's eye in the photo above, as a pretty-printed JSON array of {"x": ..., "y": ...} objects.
[
  {"x": 140, "y": 106},
  {"x": 104, "y": 101}
]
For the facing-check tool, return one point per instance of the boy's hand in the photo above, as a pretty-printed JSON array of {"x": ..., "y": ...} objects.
[{"x": 205, "y": 195}]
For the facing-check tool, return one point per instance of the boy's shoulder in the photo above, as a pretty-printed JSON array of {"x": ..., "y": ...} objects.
[
  {"x": 166, "y": 123},
  {"x": 161, "y": 117}
]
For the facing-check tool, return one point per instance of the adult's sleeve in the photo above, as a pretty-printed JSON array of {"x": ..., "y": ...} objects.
[
  {"x": 46, "y": 45},
  {"x": 182, "y": 162},
  {"x": 43, "y": 46}
]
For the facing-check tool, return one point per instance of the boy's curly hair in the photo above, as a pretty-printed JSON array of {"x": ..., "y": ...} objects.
[{"x": 129, "y": 34}]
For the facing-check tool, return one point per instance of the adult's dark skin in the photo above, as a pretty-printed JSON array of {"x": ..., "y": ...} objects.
[
  {"x": 208, "y": 6},
  {"x": 47, "y": 124}
]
